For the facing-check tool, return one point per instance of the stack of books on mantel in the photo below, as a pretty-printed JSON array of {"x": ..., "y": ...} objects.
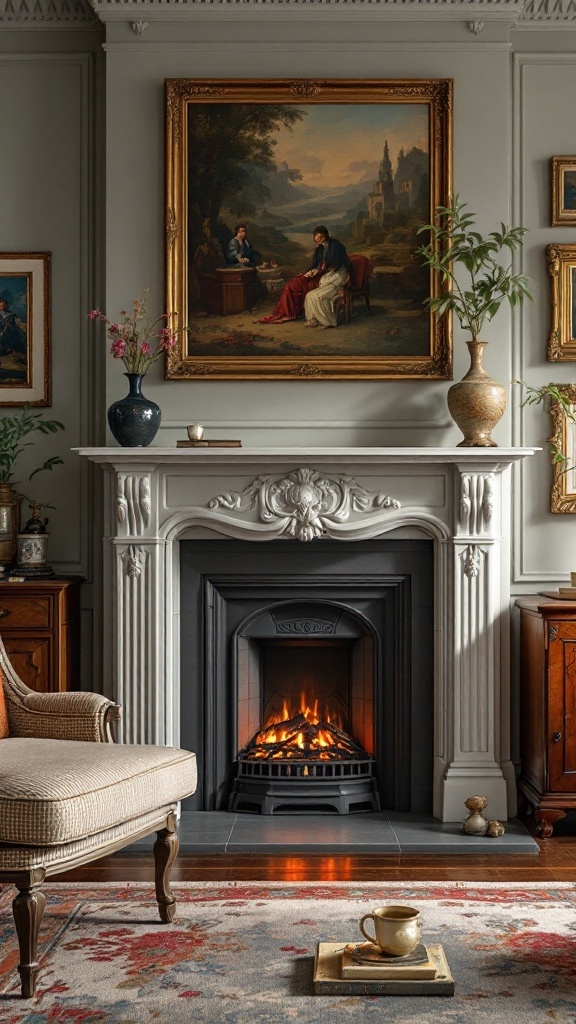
[{"x": 363, "y": 969}]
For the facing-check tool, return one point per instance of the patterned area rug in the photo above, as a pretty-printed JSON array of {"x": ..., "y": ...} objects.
[{"x": 242, "y": 953}]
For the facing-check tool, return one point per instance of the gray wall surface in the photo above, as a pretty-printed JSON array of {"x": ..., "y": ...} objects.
[{"x": 82, "y": 166}]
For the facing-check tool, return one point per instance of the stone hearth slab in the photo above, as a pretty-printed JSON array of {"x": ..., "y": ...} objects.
[{"x": 382, "y": 832}]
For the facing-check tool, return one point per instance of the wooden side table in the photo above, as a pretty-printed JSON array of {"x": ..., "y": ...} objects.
[
  {"x": 40, "y": 627},
  {"x": 547, "y": 780}
]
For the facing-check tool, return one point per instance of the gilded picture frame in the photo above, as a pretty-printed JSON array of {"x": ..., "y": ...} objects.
[
  {"x": 368, "y": 160},
  {"x": 25, "y": 376},
  {"x": 563, "y": 191},
  {"x": 563, "y": 442},
  {"x": 561, "y": 266}
]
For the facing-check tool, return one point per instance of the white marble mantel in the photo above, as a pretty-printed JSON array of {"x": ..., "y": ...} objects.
[{"x": 457, "y": 497}]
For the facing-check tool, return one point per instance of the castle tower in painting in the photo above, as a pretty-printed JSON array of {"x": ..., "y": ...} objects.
[{"x": 381, "y": 199}]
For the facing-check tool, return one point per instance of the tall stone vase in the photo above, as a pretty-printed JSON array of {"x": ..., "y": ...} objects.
[{"x": 477, "y": 402}]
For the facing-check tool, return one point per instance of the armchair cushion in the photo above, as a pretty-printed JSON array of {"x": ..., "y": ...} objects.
[
  {"x": 4, "y": 727},
  {"x": 58, "y": 791}
]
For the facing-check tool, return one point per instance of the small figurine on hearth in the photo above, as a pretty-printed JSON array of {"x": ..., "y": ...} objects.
[
  {"x": 495, "y": 828},
  {"x": 475, "y": 824}
]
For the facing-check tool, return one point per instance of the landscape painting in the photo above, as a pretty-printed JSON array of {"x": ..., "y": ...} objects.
[
  {"x": 563, "y": 191},
  {"x": 293, "y": 211},
  {"x": 24, "y": 328}
]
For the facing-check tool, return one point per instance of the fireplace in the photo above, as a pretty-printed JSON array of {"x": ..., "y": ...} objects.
[
  {"x": 346, "y": 631},
  {"x": 457, "y": 499}
]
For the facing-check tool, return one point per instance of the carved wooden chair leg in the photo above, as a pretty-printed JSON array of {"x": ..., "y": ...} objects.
[
  {"x": 165, "y": 853},
  {"x": 28, "y": 908}
]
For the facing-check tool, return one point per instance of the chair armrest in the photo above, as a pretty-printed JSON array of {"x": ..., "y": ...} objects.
[{"x": 74, "y": 715}]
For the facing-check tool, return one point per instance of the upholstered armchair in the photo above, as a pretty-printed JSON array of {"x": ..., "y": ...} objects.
[{"x": 69, "y": 795}]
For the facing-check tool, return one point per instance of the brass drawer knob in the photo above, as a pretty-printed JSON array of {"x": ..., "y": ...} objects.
[{"x": 4, "y": 612}]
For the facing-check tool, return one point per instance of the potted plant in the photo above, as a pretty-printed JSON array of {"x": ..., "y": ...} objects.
[
  {"x": 474, "y": 284},
  {"x": 13, "y": 430}
]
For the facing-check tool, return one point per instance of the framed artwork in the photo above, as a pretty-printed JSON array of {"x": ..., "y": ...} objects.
[
  {"x": 292, "y": 212},
  {"x": 563, "y": 441},
  {"x": 563, "y": 190},
  {"x": 25, "y": 328},
  {"x": 561, "y": 264}
]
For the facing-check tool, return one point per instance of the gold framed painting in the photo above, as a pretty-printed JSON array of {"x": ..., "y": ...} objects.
[
  {"x": 291, "y": 216},
  {"x": 563, "y": 444},
  {"x": 563, "y": 190},
  {"x": 25, "y": 328},
  {"x": 561, "y": 265}
]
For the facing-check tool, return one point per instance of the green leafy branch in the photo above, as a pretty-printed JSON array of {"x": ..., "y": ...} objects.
[
  {"x": 12, "y": 431},
  {"x": 454, "y": 242},
  {"x": 548, "y": 395}
]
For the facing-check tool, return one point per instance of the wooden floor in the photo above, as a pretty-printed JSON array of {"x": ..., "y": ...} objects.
[{"x": 556, "y": 862}]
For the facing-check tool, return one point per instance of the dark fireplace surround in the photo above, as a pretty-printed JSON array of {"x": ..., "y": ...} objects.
[{"x": 349, "y": 624}]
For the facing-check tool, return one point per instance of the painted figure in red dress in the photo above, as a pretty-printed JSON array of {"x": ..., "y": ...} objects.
[{"x": 329, "y": 254}]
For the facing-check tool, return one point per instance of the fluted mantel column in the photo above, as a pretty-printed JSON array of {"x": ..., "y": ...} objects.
[
  {"x": 479, "y": 613},
  {"x": 458, "y": 498}
]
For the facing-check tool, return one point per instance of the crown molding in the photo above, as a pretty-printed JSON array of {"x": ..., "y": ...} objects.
[
  {"x": 56, "y": 13},
  {"x": 76, "y": 13},
  {"x": 264, "y": 10}
]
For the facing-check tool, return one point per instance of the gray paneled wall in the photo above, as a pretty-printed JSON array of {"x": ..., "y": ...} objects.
[{"x": 90, "y": 189}]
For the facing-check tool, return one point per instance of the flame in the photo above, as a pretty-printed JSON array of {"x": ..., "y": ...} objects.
[{"x": 319, "y": 733}]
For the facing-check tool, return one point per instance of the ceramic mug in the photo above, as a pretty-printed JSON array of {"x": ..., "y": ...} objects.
[{"x": 396, "y": 929}]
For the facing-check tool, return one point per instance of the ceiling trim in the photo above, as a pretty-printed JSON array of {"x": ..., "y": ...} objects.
[{"x": 67, "y": 12}]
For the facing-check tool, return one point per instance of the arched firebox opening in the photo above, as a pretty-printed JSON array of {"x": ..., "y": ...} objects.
[
  {"x": 306, "y": 711},
  {"x": 333, "y": 643}
]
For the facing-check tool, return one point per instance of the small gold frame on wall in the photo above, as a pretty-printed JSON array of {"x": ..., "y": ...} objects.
[
  {"x": 25, "y": 315},
  {"x": 563, "y": 442},
  {"x": 370, "y": 159},
  {"x": 561, "y": 265},
  {"x": 563, "y": 190}
]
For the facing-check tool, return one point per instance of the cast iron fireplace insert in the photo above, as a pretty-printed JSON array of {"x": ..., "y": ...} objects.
[
  {"x": 310, "y": 754},
  {"x": 257, "y": 623}
]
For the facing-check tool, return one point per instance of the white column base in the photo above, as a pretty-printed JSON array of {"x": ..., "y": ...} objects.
[{"x": 457, "y": 789}]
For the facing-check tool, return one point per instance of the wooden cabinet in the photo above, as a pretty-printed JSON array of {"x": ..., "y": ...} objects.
[
  {"x": 547, "y": 780},
  {"x": 228, "y": 290},
  {"x": 40, "y": 627}
]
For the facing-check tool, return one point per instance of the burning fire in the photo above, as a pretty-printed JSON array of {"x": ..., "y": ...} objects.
[{"x": 303, "y": 735}]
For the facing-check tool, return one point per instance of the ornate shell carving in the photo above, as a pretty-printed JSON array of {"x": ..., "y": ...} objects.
[{"x": 306, "y": 502}]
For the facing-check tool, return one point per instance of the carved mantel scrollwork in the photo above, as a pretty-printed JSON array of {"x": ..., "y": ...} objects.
[
  {"x": 133, "y": 561},
  {"x": 476, "y": 502},
  {"x": 305, "y": 501},
  {"x": 133, "y": 502},
  {"x": 472, "y": 561}
]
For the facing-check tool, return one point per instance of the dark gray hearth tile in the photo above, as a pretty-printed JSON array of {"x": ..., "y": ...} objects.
[{"x": 203, "y": 832}]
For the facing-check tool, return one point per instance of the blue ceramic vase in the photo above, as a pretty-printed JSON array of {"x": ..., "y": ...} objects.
[{"x": 134, "y": 420}]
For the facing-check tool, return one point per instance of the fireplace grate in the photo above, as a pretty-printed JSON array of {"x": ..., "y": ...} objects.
[
  {"x": 304, "y": 787},
  {"x": 306, "y": 770}
]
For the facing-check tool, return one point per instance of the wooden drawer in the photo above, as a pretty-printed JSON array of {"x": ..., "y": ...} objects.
[
  {"x": 16, "y": 613},
  {"x": 32, "y": 660}
]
